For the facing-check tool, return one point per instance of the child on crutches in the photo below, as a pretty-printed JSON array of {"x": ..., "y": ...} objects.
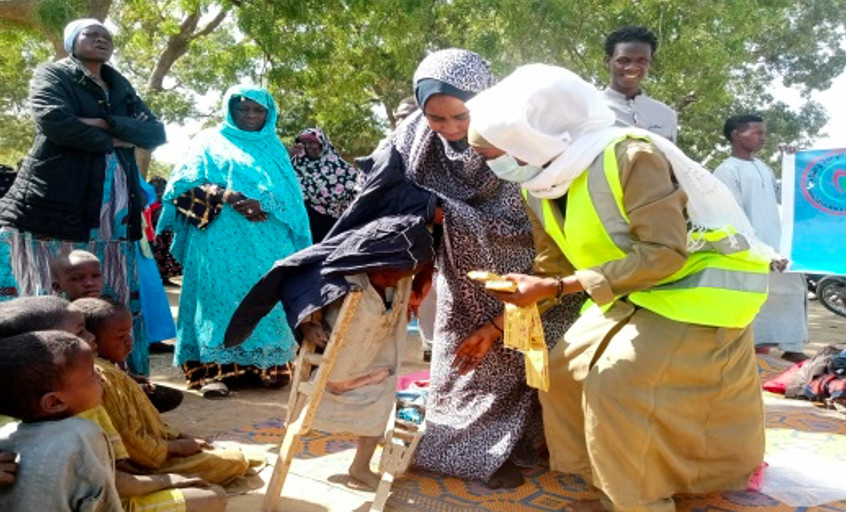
[{"x": 378, "y": 260}]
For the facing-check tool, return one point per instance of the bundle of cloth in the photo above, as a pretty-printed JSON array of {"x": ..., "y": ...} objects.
[{"x": 822, "y": 378}]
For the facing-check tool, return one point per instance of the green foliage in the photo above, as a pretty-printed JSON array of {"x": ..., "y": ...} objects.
[
  {"x": 714, "y": 59},
  {"x": 55, "y": 14},
  {"x": 22, "y": 50},
  {"x": 209, "y": 63},
  {"x": 336, "y": 64},
  {"x": 159, "y": 169}
]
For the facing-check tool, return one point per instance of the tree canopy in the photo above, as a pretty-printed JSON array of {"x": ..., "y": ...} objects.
[{"x": 344, "y": 65}]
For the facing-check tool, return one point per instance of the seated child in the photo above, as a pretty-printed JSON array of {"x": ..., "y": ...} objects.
[
  {"x": 65, "y": 463},
  {"x": 43, "y": 313},
  {"x": 378, "y": 259},
  {"x": 167, "y": 492},
  {"x": 150, "y": 442},
  {"x": 78, "y": 275},
  {"x": 47, "y": 312}
]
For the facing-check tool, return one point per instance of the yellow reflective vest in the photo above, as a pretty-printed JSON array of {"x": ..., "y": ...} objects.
[{"x": 722, "y": 283}]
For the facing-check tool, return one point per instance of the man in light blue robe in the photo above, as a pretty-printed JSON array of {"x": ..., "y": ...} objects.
[{"x": 783, "y": 320}]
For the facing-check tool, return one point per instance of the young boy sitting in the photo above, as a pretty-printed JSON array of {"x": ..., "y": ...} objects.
[
  {"x": 43, "y": 313},
  {"x": 78, "y": 275},
  {"x": 166, "y": 492},
  {"x": 65, "y": 463},
  {"x": 378, "y": 260},
  {"x": 46, "y": 313},
  {"x": 150, "y": 443}
]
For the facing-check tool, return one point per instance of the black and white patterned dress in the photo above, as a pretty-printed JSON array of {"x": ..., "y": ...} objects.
[{"x": 474, "y": 421}]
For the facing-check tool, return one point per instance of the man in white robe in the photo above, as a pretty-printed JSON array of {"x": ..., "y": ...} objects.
[{"x": 783, "y": 320}]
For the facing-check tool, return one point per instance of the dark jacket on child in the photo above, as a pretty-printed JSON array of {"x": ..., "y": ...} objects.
[{"x": 313, "y": 278}]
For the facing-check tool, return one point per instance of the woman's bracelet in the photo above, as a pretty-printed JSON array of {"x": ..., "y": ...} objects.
[{"x": 560, "y": 293}]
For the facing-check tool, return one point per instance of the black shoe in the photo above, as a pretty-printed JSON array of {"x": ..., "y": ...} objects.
[
  {"x": 794, "y": 357},
  {"x": 164, "y": 398},
  {"x": 161, "y": 348}
]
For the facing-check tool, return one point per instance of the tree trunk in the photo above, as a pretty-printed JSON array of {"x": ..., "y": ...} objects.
[
  {"x": 19, "y": 12},
  {"x": 143, "y": 157},
  {"x": 177, "y": 46},
  {"x": 99, "y": 9}
]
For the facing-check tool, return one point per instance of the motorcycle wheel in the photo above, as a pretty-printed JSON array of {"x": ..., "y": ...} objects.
[{"x": 831, "y": 292}]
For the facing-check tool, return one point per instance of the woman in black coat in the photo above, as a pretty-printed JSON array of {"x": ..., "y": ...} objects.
[{"x": 79, "y": 185}]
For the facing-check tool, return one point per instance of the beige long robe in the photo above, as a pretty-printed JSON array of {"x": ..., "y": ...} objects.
[
  {"x": 145, "y": 434},
  {"x": 641, "y": 406},
  {"x": 372, "y": 345}
]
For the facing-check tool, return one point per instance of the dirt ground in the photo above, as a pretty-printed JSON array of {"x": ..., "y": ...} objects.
[{"x": 306, "y": 490}]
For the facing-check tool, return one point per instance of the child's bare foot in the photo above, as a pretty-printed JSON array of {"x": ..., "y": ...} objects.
[
  {"x": 360, "y": 467},
  {"x": 584, "y": 506},
  {"x": 365, "y": 476}
]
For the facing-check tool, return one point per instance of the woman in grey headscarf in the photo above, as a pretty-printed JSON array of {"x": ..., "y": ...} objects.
[{"x": 481, "y": 415}]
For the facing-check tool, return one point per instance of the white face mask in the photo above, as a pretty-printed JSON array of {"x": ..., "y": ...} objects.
[{"x": 507, "y": 168}]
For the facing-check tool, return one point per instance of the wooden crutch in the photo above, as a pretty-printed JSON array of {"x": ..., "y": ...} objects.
[
  {"x": 401, "y": 440},
  {"x": 305, "y": 396}
]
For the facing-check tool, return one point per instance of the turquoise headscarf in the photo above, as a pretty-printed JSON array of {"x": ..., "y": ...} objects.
[
  {"x": 263, "y": 98},
  {"x": 255, "y": 164}
]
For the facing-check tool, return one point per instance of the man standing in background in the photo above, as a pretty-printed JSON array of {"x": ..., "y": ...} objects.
[
  {"x": 628, "y": 54},
  {"x": 783, "y": 320}
]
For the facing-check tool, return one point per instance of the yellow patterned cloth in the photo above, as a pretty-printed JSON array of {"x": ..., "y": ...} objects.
[
  {"x": 523, "y": 331},
  {"x": 99, "y": 416},
  {"x": 146, "y": 435},
  {"x": 170, "y": 500}
]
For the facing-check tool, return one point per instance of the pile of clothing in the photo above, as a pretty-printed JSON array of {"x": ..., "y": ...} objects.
[{"x": 822, "y": 378}]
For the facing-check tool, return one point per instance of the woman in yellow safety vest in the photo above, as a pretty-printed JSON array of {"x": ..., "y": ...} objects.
[{"x": 654, "y": 391}]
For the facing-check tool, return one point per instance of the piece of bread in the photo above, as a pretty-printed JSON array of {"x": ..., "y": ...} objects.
[
  {"x": 483, "y": 276},
  {"x": 501, "y": 286}
]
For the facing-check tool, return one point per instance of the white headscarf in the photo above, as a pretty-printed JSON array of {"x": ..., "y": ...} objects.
[
  {"x": 73, "y": 29},
  {"x": 546, "y": 114}
]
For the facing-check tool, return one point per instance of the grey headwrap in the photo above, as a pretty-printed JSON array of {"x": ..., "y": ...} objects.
[{"x": 73, "y": 29}]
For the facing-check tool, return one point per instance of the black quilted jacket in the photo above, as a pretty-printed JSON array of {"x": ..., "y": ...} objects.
[{"x": 59, "y": 188}]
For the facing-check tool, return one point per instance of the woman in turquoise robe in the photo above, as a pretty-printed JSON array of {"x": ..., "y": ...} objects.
[{"x": 235, "y": 207}]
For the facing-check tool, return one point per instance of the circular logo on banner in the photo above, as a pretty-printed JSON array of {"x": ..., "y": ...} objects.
[{"x": 824, "y": 182}]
